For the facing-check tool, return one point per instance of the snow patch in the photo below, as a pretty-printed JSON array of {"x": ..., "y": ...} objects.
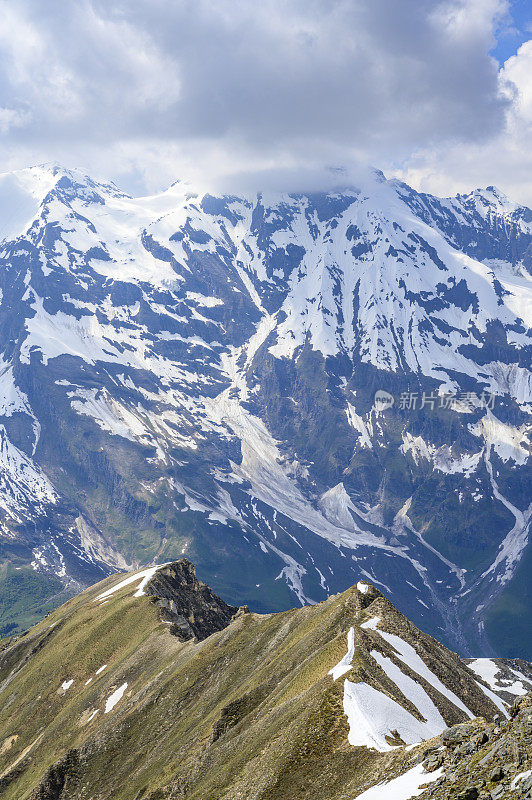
[
  {"x": 371, "y": 624},
  {"x": 359, "y": 425},
  {"x": 510, "y": 443},
  {"x": 520, "y": 777},
  {"x": 143, "y": 576},
  {"x": 372, "y": 716},
  {"x": 344, "y": 665},
  {"x": 24, "y": 489},
  {"x": 404, "y": 787},
  {"x": 410, "y": 657},
  {"x": 495, "y": 699},
  {"x": 414, "y": 692},
  {"x": 202, "y": 300},
  {"x": 488, "y": 670},
  {"x": 515, "y": 541},
  {"x": 114, "y": 698}
]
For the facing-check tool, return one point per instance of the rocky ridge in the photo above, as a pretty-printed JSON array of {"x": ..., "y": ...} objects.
[
  {"x": 104, "y": 699},
  {"x": 484, "y": 760},
  {"x": 188, "y": 605}
]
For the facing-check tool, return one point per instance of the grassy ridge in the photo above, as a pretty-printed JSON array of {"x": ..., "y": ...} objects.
[{"x": 250, "y": 712}]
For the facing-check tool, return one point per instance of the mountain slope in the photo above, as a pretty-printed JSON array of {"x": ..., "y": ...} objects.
[
  {"x": 194, "y": 374},
  {"x": 110, "y": 697}
]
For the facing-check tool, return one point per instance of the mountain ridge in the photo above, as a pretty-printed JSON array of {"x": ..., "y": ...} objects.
[{"x": 265, "y": 705}]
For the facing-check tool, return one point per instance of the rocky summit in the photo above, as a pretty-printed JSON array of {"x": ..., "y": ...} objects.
[
  {"x": 148, "y": 686},
  {"x": 296, "y": 391},
  {"x": 189, "y": 605}
]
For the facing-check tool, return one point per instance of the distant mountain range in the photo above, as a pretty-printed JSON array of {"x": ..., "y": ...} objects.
[
  {"x": 150, "y": 687},
  {"x": 295, "y": 391}
]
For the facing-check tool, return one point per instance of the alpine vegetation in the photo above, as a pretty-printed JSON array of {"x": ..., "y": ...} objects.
[{"x": 169, "y": 692}]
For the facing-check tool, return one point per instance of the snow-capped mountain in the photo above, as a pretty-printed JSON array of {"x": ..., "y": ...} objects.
[{"x": 297, "y": 391}]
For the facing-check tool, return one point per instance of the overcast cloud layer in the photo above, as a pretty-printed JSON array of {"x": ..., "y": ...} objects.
[{"x": 146, "y": 91}]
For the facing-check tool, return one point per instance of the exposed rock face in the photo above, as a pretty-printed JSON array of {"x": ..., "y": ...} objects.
[
  {"x": 485, "y": 761},
  {"x": 189, "y": 604},
  {"x": 60, "y": 779}
]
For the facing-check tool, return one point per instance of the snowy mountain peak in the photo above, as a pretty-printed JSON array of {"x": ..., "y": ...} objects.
[
  {"x": 489, "y": 200},
  {"x": 317, "y": 388}
]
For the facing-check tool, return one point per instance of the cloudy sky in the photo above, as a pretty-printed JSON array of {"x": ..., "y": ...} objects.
[{"x": 225, "y": 91}]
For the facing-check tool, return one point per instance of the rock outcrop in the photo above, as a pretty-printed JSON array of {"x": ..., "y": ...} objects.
[
  {"x": 484, "y": 760},
  {"x": 191, "y": 606}
]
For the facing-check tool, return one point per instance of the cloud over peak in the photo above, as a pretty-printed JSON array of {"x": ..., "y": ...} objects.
[{"x": 215, "y": 86}]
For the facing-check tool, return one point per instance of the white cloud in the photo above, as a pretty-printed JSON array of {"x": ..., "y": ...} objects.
[
  {"x": 505, "y": 160},
  {"x": 10, "y": 118},
  {"x": 518, "y": 71},
  {"x": 146, "y": 91}
]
